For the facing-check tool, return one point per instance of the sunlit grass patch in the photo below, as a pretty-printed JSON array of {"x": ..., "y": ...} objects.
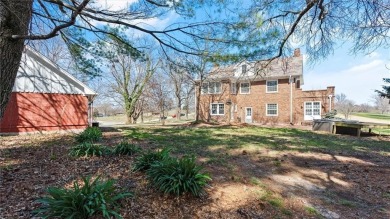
[{"x": 207, "y": 141}]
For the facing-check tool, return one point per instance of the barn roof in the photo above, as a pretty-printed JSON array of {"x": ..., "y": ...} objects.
[{"x": 37, "y": 74}]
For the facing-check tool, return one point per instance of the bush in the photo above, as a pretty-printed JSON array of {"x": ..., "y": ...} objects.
[
  {"x": 93, "y": 198},
  {"x": 90, "y": 134},
  {"x": 178, "y": 176},
  {"x": 125, "y": 148},
  {"x": 144, "y": 162},
  {"x": 88, "y": 149}
]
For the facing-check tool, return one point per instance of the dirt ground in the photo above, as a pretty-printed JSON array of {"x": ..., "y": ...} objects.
[{"x": 251, "y": 184}]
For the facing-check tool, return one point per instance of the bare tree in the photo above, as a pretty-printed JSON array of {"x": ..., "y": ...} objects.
[
  {"x": 182, "y": 85},
  {"x": 161, "y": 95},
  {"x": 263, "y": 30},
  {"x": 74, "y": 20},
  {"x": 189, "y": 89},
  {"x": 344, "y": 105},
  {"x": 319, "y": 25},
  {"x": 381, "y": 103},
  {"x": 364, "y": 108},
  {"x": 128, "y": 75}
]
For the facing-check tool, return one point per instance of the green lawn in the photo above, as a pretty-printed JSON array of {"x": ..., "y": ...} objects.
[
  {"x": 218, "y": 143},
  {"x": 374, "y": 116},
  {"x": 256, "y": 172}
]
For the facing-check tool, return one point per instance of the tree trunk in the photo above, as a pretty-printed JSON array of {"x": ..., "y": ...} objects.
[
  {"x": 128, "y": 118},
  {"x": 198, "y": 101},
  {"x": 178, "y": 111},
  {"x": 15, "y": 19}
]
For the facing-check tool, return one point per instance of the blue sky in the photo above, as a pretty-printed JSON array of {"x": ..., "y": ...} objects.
[{"x": 357, "y": 76}]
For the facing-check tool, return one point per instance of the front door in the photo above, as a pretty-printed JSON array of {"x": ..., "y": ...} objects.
[{"x": 248, "y": 115}]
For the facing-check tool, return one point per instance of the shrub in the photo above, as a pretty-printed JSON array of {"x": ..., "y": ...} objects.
[
  {"x": 88, "y": 149},
  {"x": 90, "y": 134},
  {"x": 126, "y": 148},
  {"x": 178, "y": 176},
  {"x": 93, "y": 198},
  {"x": 144, "y": 162}
]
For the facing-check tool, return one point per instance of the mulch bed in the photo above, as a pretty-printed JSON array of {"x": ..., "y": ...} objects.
[{"x": 30, "y": 164}]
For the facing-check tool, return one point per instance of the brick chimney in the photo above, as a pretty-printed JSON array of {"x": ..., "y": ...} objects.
[{"x": 297, "y": 52}]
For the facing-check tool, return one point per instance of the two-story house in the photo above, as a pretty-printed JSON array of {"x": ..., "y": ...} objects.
[{"x": 262, "y": 92}]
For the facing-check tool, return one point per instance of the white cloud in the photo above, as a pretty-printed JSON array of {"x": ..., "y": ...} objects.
[
  {"x": 358, "y": 82},
  {"x": 114, "y": 5},
  {"x": 155, "y": 23},
  {"x": 373, "y": 55}
]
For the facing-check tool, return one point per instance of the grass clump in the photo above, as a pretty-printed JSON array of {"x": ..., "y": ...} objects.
[
  {"x": 88, "y": 149},
  {"x": 145, "y": 161},
  {"x": 90, "y": 134},
  {"x": 347, "y": 203},
  {"x": 178, "y": 176},
  {"x": 125, "y": 148},
  {"x": 276, "y": 202},
  {"x": 311, "y": 210},
  {"x": 93, "y": 198}
]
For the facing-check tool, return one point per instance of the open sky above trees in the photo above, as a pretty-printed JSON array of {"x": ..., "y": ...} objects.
[
  {"x": 356, "y": 75},
  {"x": 238, "y": 30}
]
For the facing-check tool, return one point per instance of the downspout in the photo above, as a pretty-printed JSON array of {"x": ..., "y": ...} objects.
[
  {"x": 91, "y": 113},
  {"x": 196, "y": 107},
  {"x": 91, "y": 98},
  {"x": 291, "y": 101},
  {"x": 330, "y": 102}
]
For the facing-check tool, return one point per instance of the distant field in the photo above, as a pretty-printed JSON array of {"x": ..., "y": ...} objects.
[
  {"x": 378, "y": 131},
  {"x": 374, "y": 116},
  {"x": 148, "y": 118}
]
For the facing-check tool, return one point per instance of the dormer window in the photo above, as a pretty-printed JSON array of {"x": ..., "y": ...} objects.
[{"x": 243, "y": 69}]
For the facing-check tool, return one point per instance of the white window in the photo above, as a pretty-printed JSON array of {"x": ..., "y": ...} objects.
[
  {"x": 272, "y": 109},
  {"x": 243, "y": 69},
  {"x": 245, "y": 88},
  {"x": 215, "y": 87},
  {"x": 312, "y": 110},
  {"x": 217, "y": 109},
  {"x": 233, "y": 88},
  {"x": 211, "y": 87},
  {"x": 272, "y": 86},
  {"x": 205, "y": 88}
]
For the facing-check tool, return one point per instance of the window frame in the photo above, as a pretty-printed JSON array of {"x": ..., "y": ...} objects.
[
  {"x": 214, "y": 88},
  {"x": 244, "y": 69},
  {"x": 266, "y": 109},
  {"x": 207, "y": 88},
  {"x": 233, "y": 88},
  {"x": 249, "y": 87},
  {"x": 312, "y": 108},
  {"x": 218, "y": 109},
  {"x": 277, "y": 86}
]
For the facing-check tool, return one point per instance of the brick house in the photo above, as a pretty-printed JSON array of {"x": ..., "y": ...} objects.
[
  {"x": 46, "y": 98},
  {"x": 251, "y": 93}
]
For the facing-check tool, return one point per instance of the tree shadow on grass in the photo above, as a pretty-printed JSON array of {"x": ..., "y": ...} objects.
[
  {"x": 324, "y": 167},
  {"x": 282, "y": 165}
]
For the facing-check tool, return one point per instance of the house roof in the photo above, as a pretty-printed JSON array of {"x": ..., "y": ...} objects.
[
  {"x": 37, "y": 74},
  {"x": 260, "y": 70}
]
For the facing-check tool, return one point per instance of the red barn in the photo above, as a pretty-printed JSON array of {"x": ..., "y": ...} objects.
[{"x": 46, "y": 98}]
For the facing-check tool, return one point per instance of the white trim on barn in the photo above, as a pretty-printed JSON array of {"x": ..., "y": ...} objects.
[{"x": 37, "y": 74}]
